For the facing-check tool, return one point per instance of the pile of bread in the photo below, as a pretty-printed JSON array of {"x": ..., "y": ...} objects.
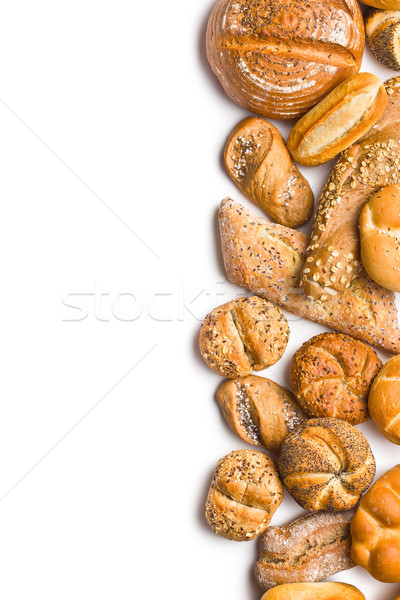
[{"x": 286, "y": 59}]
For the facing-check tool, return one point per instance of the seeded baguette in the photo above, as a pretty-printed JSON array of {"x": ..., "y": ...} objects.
[
  {"x": 309, "y": 549},
  {"x": 333, "y": 255},
  {"x": 338, "y": 120},
  {"x": 267, "y": 259},
  {"x": 259, "y": 410},
  {"x": 259, "y": 163},
  {"x": 382, "y": 28}
]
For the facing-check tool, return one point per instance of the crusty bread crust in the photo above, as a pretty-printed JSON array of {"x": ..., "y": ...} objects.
[
  {"x": 333, "y": 255},
  {"x": 309, "y": 549},
  {"x": 266, "y": 259}
]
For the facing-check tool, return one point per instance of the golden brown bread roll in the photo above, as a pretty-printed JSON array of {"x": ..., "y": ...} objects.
[
  {"x": 333, "y": 255},
  {"x": 331, "y": 375},
  {"x": 338, "y": 120},
  {"x": 314, "y": 591},
  {"x": 258, "y": 161},
  {"x": 278, "y": 58},
  {"x": 244, "y": 494},
  {"x": 380, "y": 237},
  {"x": 266, "y": 259},
  {"x": 375, "y": 529},
  {"x": 308, "y": 549},
  {"x": 386, "y": 4},
  {"x": 243, "y": 335},
  {"x": 259, "y": 410},
  {"x": 326, "y": 464},
  {"x": 382, "y": 28},
  {"x": 384, "y": 400}
]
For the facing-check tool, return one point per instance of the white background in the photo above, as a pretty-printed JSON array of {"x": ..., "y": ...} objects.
[{"x": 111, "y": 132}]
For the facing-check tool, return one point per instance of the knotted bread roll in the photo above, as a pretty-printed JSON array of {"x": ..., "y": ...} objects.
[
  {"x": 375, "y": 529},
  {"x": 326, "y": 464}
]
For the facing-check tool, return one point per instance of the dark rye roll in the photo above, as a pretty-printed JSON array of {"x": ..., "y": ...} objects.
[{"x": 382, "y": 28}]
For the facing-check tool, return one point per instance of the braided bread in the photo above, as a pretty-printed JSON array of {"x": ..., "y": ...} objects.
[
  {"x": 375, "y": 529},
  {"x": 259, "y": 163},
  {"x": 326, "y": 464},
  {"x": 333, "y": 255}
]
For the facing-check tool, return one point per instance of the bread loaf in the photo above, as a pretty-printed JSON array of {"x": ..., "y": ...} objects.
[
  {"x": 314, "y": 591},
  {"x": 338, "y": 120},
  {"x": 384, "y": 400},
  {"x": 326, "y": 464},
  {"x": 333, "y": 255},
  {"x": 243, "y": 335},
  {"x": 308, "y": 549},
  {"x": 331, "y": 375},
  {"x": 259, "y": 410},
  {"x": 278, "y": 58},
  {"x": 382, "y": 28},
  {"x": 244, "y": 494},
  {"x": 380, "y": 237},
  {"x": 258, "y": 161},
  {"x": 266, "y": 259},
  {"x": 375, "y": 529}
]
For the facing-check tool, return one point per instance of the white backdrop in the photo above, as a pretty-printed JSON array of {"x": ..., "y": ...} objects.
[{"x": 111, "y": 132}]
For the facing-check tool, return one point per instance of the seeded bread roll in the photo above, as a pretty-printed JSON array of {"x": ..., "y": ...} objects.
[
  {"x": 244, "y": 494},
  {"x": 338, "y": 120},
  {"x": 243, "y": 335},
  {"x": 384, "y": 400},
  {"x": 259, "y": 410},
  {"x": 278, "y": 58},
  {"x": 258, "y": 161},
  {"x": 331, "y": 375},
  {"x": 266, "y": 259},
  {"x": 380, "y": 237},
  {"x": 375, "y": 529},
  {"x": 314, "y": 591},
  {"x": 308, "y": 549},
  {"x": 326, "y": 464},
  {"x": 382, "y": 28},
  {"x": 333, "y": 255}
]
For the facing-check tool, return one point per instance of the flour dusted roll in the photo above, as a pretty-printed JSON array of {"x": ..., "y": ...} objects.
[{"x": 278, "y": 58}]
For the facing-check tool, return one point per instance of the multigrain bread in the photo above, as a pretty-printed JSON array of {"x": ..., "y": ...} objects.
[
  {"x": 244, "y": 494},
  {"x": 380, "y": 237},
  {"x": 278, "y": 58},
  {"x": 314, "y": 591},
  {"x": 259, "y": 163},
  {"x": 331, "y": 375},
  {"x": 338, "y": 120},
  {"x": 266, "y": 259},
  {"x": 382, "y": 29},
  {"x": 384, "y": 400},
  {"x": 375, "y": 529},
  {"x": 308, "y": 549},
  {"x": 326, "y": 464},
  {"x": 333, "y": 255},
  {"x": 259, "y": 410},
  {"x": 243, "y": 335}
]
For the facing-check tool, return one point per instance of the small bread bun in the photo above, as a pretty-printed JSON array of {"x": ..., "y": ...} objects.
[
  {"x": 259, "y": 163},
  {"x": 340, "y": 119},
  {"x": 244, "y": 494},
  {"x": 243, "y": 335},
  {"x": 314, "y": 591},
  {"x": 259, "y": 410},
  {"x": 384, "y": 400},
  {"x": 380, "y": 237},
  {"x": 385, "y": 4},
  {"x": 382, "y": 28},
  {"x": 375, "y": 529},
  {"x": 331, "y": 375},
  {"x": 326, "y": 464}
]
